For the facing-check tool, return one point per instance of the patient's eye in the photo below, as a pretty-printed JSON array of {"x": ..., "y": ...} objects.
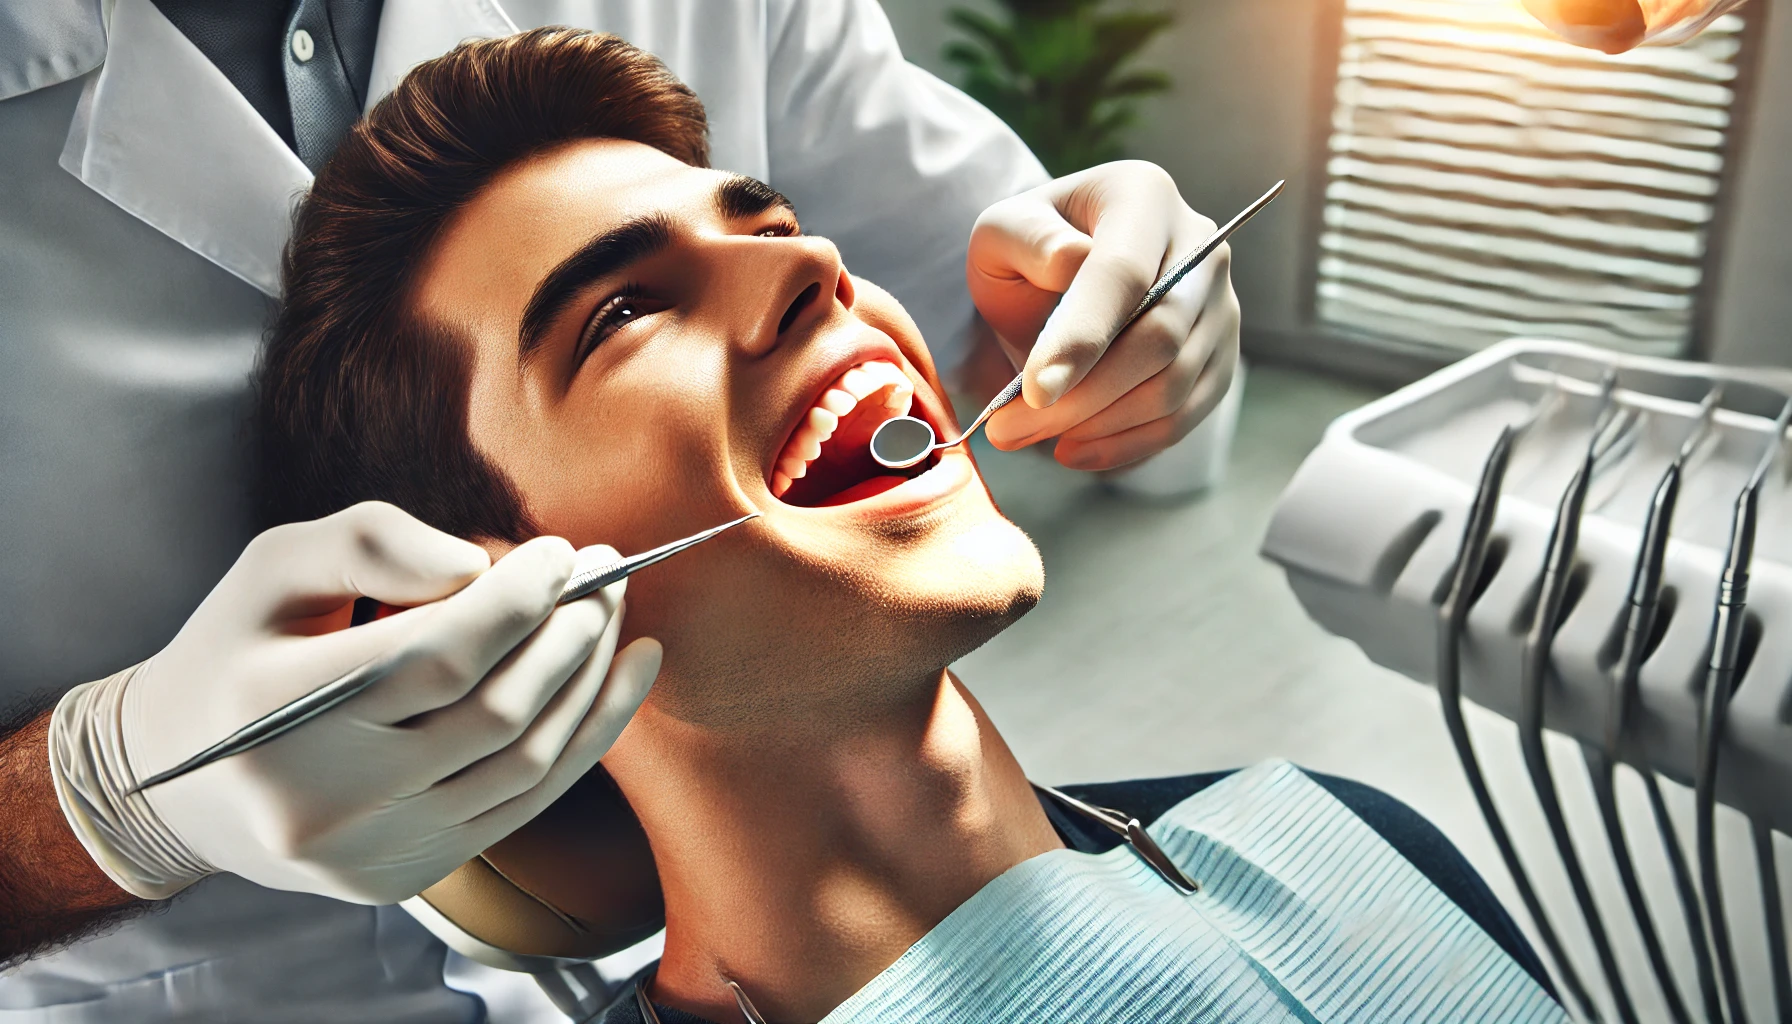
[
  {"x": 616, "y": 312},
  {"x": 782, "y": 229}
]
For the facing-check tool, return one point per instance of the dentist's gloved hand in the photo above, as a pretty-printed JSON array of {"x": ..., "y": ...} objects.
[
  {"x": 502, "y": 702},
  {"x": 1618, "y": 25},
  {"x": 1099, "y": 239}
]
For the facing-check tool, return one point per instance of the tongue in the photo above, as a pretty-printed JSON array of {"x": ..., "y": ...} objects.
[{"x": 863, "y": 489}]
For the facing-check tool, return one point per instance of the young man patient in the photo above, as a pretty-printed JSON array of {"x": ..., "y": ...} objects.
[{"x": 518, "y": 303}]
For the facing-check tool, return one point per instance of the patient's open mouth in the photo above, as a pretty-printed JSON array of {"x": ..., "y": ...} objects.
[{"x": 827, "y": 460}]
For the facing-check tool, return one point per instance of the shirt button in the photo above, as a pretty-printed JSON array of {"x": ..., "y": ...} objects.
[{"x": 302, "y": 46}]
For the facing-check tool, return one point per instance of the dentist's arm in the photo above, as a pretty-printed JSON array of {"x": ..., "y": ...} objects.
[
  {"x": 1618, "y": 25},
  {"x": 50, "y": 890},
  {"x": 500, "y": 702}
]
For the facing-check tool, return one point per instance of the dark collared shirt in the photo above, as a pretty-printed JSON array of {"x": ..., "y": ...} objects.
[{"x": 309, "y": 102}]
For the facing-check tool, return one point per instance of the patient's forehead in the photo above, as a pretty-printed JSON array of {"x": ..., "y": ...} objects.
[{"x": 532, "y": 215}]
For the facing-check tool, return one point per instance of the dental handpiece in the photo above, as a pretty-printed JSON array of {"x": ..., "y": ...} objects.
[
  {"x": 356, "y": 680},
  {"x": 1609, "y": 426},
  {"x": 903, "y": 441},
  {"x": 1453, "y": 612},
  {"x": 1645, "y": 582},
  {"x": 1720, "y": 679},
  {"x": 1639, "y": 619}
]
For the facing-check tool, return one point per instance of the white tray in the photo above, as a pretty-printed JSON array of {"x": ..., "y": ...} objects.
[{"x": 1369, "y": 527}]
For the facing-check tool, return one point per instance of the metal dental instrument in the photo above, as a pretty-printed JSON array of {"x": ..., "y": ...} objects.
[
  {"x": 742, "y": 1003},
  {"x": 358, "y": 679},
  {"x": 1453, "y": 612},
  {"x": 1128, "y": 829},
  {"x": 1557, "y": 576},
  {"x": 593, "y": 580},
  {"x": 904, "y": 441},
  {"x": 1727, "y": 627},
  {"x": 1602, "y": 762}
]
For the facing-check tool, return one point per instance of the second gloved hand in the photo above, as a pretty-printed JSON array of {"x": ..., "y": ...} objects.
[
  {"x": 1058, "y": 269},
  {"x": 1618, "y": 25},
  {"x": 500, "y": 702}
]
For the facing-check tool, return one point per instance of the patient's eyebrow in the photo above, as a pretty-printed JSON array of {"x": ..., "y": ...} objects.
[
  {"x": 614, "y": 250},
  {"x": 741, "y": 196}
]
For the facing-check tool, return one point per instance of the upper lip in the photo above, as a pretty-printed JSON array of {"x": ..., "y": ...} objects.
[{"x": 871, "y": 344}]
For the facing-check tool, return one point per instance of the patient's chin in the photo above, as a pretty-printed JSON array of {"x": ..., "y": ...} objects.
[
  {"x": 995, "y": 576},
  {"x": 961, "y": 595},
  {"x": 832, "y": 647}
]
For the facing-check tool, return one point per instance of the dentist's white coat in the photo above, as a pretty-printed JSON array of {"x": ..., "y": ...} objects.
[{"x": 143, "y": 207}]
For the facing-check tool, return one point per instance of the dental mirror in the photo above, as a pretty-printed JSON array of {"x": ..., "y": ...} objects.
[{"x": 904, "y": 441}]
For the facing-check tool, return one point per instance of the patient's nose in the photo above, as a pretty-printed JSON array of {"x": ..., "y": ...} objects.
[{"x": 794, "y": 284}]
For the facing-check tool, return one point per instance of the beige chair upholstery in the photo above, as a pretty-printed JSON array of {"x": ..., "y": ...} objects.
[{"x": 576, "y": 883}]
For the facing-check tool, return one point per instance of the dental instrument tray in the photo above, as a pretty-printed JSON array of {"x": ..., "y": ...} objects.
[{"x": 1369, "y": 530}]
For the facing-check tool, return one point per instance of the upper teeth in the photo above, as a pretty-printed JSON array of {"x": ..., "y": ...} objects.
[{"x": 877, "y": 381}]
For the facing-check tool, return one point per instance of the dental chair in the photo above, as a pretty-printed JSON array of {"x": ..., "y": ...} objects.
[{"x": 574, "y": 885}]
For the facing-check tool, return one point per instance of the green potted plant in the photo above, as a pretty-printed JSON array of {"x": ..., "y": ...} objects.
[{"x": 1057, "y": 72}]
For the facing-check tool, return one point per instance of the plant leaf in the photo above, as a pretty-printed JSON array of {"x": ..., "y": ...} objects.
[
  {"x": 1054, "y": 70},
  {"x": 1137, "y": 83},
  {"x": 999, "y": 38},
  {"x": 1119, "y": 36}
]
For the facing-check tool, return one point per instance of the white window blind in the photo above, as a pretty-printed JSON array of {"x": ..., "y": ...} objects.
[{"x": 1486, "y": 180}]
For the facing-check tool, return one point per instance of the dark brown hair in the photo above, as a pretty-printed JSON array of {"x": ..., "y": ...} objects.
[{"x": 359, "y": 399}]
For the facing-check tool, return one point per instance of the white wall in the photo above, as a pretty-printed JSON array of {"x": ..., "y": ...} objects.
[
  {"x": 1754, "y": 313},
  {"x": 1250, "y": 87}
]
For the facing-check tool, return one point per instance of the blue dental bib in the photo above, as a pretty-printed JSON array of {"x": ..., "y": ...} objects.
[{"x": 1304, "y": 914}]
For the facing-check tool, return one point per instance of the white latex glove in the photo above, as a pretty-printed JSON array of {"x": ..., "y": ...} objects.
[
  {"x": 502, "y": 701},
  {"x": 1618, "y": 25},
  {"x": 1099, "y": 239}
]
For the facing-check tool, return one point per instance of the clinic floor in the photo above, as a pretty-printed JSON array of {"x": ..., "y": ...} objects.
[{"x": 1165, "y": 645}]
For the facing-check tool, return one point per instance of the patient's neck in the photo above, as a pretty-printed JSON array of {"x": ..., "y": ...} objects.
[{"x": 801, "y": 862}]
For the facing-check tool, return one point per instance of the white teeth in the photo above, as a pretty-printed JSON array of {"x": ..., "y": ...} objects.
[
  {"x": 854, "y": 386},
  {"x": 858, "y": 383},
  {"x": 863, "y": 379},
  {"x": 837, "y": 402}
]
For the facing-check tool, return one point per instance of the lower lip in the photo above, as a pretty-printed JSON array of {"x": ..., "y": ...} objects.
[{"x": 953, "y": 473}]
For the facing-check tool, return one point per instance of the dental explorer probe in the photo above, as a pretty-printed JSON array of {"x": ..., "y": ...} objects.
[
  {"x": 1452, "y": 613},
  {"x": 356, "y": 680},
  {"x": 1639, "y": 626},
  {"x": 1552, "y": 589},
  {"x": 1720, "y": 679},
  {"x": 903, "y": 441}
]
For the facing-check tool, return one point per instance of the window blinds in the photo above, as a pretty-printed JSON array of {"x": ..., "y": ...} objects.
[{"x": 1485, "y": 180}]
